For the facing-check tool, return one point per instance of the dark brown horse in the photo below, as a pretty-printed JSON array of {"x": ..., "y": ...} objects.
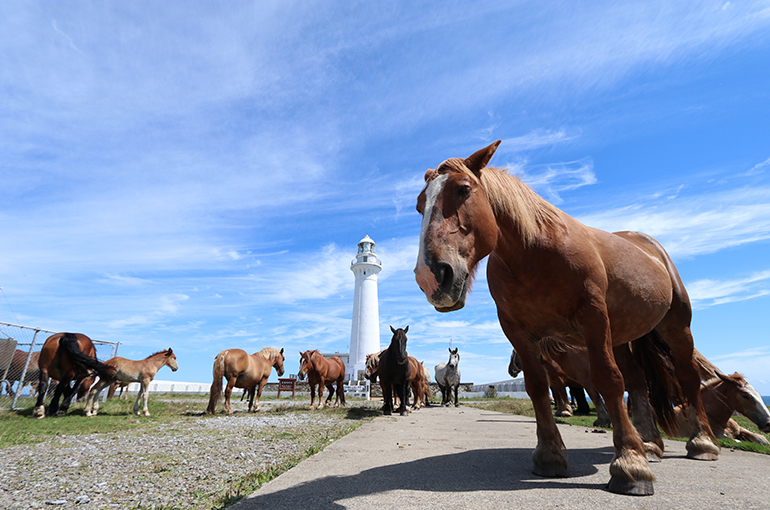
[
  {"x": 394, "y": 371},
  {"x": 243, "y": 371},
  {"x": 419, "y": 378},
  {"x": 322, "y": 372},
  {"x": 66, "y": 357},
  {"x": 552, "y": 276}
]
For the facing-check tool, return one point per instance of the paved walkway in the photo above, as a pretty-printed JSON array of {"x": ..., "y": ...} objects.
[{"x": 471, "y": 459}]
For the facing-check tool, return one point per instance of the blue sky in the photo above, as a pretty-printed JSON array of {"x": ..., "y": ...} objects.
[{"x": 197, "y": 175}]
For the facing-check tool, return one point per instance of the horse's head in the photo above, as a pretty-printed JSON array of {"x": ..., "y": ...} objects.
[
  {"x": 278, "y": 362},
  {"x": 458, "y": 229},
  {"x": 171, "y": 360},
  {"x": 305, "y": 364},
  {"x": 372, "y": 365},
  {"x": 514, "y": 367},
  {"x": 454, "y": 358},
  {"x": 398, "y": 342},
  {"x": 745, "y": 399}
]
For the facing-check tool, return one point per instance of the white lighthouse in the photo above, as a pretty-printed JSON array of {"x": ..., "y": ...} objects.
[{"x": 365, "y": 332}]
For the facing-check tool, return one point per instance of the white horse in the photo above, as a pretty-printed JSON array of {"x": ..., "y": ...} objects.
[{"x": 448, "y": 377}]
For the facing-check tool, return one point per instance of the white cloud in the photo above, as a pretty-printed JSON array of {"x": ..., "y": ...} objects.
[{"x": 708, "y": 292}]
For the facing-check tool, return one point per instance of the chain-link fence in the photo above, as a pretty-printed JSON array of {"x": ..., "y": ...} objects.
[{"x": 19, "y": 375}]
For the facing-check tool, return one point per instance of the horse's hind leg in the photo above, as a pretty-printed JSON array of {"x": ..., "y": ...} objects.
[
  {"x": 643, "y": 416},
  {"x": 457, "y": 390},
  {"x": 42, "y": 388},
  {"x": 702, "y": 445},
  {"x": 228, "y": 392}
]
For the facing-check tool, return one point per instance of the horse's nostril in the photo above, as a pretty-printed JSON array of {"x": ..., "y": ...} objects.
[{"x": 443, "y": 272}]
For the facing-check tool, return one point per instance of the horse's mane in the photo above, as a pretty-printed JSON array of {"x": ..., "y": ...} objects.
[
  {"x": 510, "y": 197},
  {"x": 735, "y": 377},
  {"x": 269, "y": 352},
  {"x": 154, "y": 353}
]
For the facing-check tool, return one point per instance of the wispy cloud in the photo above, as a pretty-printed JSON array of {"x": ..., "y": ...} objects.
[
  {"x": 705, "y": 293},
  {"x": 552, "y": 179}
]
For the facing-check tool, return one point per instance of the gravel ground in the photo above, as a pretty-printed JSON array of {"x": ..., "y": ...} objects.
[{"x": 181, "y": 465}]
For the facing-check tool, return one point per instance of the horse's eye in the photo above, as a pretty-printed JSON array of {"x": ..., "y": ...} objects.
[{"x": 464, "y": 191}]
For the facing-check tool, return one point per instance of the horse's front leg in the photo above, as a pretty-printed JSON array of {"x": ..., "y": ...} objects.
[
  {"x": 312, "y": 395},
  {"x": 457, "y": 390},
  {"x": 629, "y": 470},
  {"x": 401, "y": 389},
  {"x": 321, "y": 385},
  {"x": 387, "y": 392},
  {"x": 550, "y": 455}
]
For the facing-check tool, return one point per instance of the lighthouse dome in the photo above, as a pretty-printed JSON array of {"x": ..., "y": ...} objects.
[{"x": 366, "y": 245}]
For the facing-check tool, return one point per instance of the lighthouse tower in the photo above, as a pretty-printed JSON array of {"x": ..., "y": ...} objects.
[{"x": 365, "y": 332}]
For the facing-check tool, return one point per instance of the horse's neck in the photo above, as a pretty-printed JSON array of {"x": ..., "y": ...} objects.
[{"x": 716, "y": 401}]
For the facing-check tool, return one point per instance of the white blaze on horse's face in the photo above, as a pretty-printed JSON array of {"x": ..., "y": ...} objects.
[
  {"x": 458, "y": 230},
  {"x": 760, "y": 414},
  {"x": 442, "y": 272}
]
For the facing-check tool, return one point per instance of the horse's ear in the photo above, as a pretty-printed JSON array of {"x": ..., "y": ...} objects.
[
  {"x": 393, "y": 330},
  {"x": 170, "y": 352},
  {"x": 406, "y": 329},
  {"x": 281, "y": 350},
  {"x": 479, "y": 159}
]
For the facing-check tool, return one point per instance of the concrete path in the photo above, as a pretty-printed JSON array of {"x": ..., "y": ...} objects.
[{"x": 471, "y": 459}]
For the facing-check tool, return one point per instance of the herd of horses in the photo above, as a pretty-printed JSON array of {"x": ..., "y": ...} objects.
[{"x": 580, "y": 306}]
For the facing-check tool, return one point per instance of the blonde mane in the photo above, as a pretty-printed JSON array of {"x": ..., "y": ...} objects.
[
  {"x": 269, "y": 353},
  {"x": 511, "y": 198}
]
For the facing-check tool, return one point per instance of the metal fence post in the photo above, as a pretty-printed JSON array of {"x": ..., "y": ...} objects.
[{"x": 24, "y": 372}]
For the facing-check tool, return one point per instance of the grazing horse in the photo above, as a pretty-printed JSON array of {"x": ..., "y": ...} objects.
[
  {"x": 723, "y": 396},
  {"x": 66, "y": 357},
  {"x": 243, "y": 371},
  {"x": 448, "y": 377},
  {"x": 15, "y": 369},
  {"x": 552, "y": 276},
  {"x": 128, "y": 371},
  {"x": 394, "y": 371},
  {"x": 322, "y": 372}
]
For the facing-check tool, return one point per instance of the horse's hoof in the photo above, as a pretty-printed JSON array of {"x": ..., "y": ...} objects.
[
  {"x": 404, "y": 413},
  {"x": 703, "y": 455},
  {"x": 39, "y": 412},
  {"x": 457, "y": 405},
  {"x": 653, "y": 457},
  {"x": 553, "y": 471},
  {"x": 386, "y": 412},
  {"x": 620, "y": 485}
]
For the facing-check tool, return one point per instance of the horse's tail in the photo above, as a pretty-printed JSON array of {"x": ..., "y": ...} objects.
[
  {"x": 216, "y": 385},
  {"x": 83, "y": 362},
  {"x": 654, "y": 356}
]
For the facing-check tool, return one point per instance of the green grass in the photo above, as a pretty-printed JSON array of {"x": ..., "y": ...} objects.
[{"x": 524, "y": 407}]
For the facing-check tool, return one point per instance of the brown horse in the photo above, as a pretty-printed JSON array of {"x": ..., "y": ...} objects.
[
  {"x": 322, "y": 372},
  {"x": 552, "y": 276},
  {"x": 128, "y": 371},
  {"x": 16, "y": 368},
  {"x": 722, "y": 397},
  {"x": 419, "y": 378},
  {"x": 66, "y": 357},
  {"x": 243, "y": 371}
]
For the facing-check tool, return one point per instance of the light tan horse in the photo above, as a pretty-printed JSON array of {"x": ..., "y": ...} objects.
[
  {"x": 243, "y": 371},
  {"x": 128, "y": 371}
]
